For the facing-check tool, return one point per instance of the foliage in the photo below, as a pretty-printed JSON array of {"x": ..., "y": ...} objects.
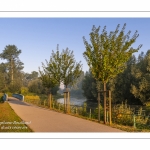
[
  {"x": 122, "y": 83},
  {"x": 107, "y": 54},
  {"x": 1, "y": 99},
  {"x": 122, "y": 114},
  {"x": 76, "y": 90},
  {"x": 10, "y": 72},
  {"x": 33, "y": 97},
  {"x": 47, "y": 78},
  {"x": 24, "y": 91},
  {"x": 95, "y": 114},
  {"x": 89, "y": 86},
  {"x": 63, "y": 67},
  {"x": 35, "y": 86},
  {"x": 141, "y": 88}
]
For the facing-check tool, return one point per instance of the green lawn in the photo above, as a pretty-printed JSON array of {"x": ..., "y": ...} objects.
[{"x": 9, "y": 121}]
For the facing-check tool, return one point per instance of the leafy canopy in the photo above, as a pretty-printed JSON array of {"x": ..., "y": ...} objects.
[
  {"x": 107, "y": 54},
  {"x": 63, "y": 67}
]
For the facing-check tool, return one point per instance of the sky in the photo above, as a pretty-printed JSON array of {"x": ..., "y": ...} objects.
[{"x": 37, "y": 37}]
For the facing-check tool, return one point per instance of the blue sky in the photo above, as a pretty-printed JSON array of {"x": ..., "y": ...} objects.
[{"x": 37, "y": 37}]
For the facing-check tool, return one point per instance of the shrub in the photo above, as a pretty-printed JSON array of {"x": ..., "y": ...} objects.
[
  {"x": 24, "y": 91},
  {"x": 95, "y": 114},
  {"x": 1, "y": 99},
  {"x": 122, "y": 114},
  {"x": 32, "y": 99}
]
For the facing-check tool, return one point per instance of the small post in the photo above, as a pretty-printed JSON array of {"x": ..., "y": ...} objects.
[
  {"x": 50, "y": 100},
  {"x": 59, "y": 106},
  {"x": 53, "y": 105},
  {"x": 68, "y": 102},
  {"x": 44, "y": 102},
  {"x": 90, "y": 114},
  {"x": 76, "y": 110},
  {"x": 106, "y": 115},
  {"x": 134, "y": 122},
  {"x": 64, "y": 102}
]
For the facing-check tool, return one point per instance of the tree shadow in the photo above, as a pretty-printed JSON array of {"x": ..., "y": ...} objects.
[{"x": 16, "y": 101}]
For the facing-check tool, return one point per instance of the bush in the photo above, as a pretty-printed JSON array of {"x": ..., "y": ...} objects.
[
  {"x": 122, "y": 114},
  {"x": 1, "y": 99},
  {"x": 24, "y": 91},
  {"x": 95, "y": 114},
  {"x": 32, "y": 97},
  {"x": 9, "y": 94}
]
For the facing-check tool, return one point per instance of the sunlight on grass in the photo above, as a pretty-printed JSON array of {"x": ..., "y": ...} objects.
[{"x": 9, "y": 121}]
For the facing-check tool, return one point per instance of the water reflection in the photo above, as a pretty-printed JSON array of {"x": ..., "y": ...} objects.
[{"x": 73, "y": 101}]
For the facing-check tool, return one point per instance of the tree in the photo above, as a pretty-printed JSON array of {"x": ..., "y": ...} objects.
[
  {"x": 122, "y": 83},
  {"x": 11, "y": 53},
  {"x": 141, "y": 88},
  {"x": 35, "y": 86},
  {"x": 48, "y": 81},
  {"x": 3, "y": 77},
  {"x": 89, "y": 86},
  {"x": 107, "y": 54},
  {"x": 76, "y": 90},
  {"x": 63, "y": 67}
]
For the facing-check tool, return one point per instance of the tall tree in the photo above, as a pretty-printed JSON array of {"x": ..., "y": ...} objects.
[
  {"x": 107, "y": 54},
  {"x": 63, "y": 67},
  {"x": 3, "y": 77},
  {"x": 11, "y": 53}
]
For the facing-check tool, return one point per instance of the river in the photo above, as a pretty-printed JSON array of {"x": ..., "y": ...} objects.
[
  {"x": 79, "y": 102},
  {"x": 73, "y": 101}
]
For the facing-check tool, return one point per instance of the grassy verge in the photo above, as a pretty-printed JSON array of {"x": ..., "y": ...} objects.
[{"x": 10, "y": 122}]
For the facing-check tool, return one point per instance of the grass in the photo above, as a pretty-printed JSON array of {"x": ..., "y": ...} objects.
[{"x": 10, "y": 122}]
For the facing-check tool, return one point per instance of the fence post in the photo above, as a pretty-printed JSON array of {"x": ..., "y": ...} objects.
[
  {"x": 64, "y": 102},
  {"x": 90, "y": 113},
  {"x": 76, "y": 110},
  {"x": 134, "y": 122},
  {"x": 106, "y": 115},
  {"x": 44, "y": 102},
  {"x": 53, "y": 105},
  {"x": 59, "y": 106}
]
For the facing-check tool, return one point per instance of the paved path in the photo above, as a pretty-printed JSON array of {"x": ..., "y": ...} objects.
[{"x": 44, "y": 120}]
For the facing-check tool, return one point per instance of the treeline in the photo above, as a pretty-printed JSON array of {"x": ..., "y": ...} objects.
[
  {"x": 132, "y": 85},
  {"x": 12, "y": 77}
]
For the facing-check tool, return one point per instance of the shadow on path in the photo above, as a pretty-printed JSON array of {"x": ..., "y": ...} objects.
[{"x": 16, "y": 101}]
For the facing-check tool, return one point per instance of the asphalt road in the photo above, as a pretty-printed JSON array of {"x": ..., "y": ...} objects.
[{"x": 44, "y": 120}]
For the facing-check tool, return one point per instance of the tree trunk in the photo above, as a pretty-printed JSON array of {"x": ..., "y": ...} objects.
[
  {"x": 98, "y": 106},
  {"x": 104, "y": 102},
  {"x": 11, "y": 66},
  {"x": 98, "y": 98}
]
